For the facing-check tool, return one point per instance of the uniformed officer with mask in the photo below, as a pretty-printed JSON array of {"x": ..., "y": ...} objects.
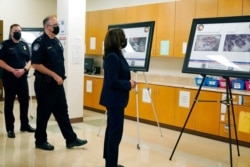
[
  {"x": 15, "y": 62},
  {"x": 48, "y": 62}
]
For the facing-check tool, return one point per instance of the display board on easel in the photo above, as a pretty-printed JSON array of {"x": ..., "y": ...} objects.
[
  {"x": 138, "y": 49},
  {"x": 219, "y": 46}
]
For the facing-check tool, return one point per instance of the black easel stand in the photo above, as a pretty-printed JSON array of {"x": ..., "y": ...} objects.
[{"x": 228, "y": 102}]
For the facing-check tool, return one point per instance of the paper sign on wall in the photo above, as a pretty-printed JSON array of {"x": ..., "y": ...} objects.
[
  {"x": 184, "y": 99},
  {"x": 89, "y": 86},
  {"x": 223, "y": 107},
  {"x": 244, "y": 122},
  {"x": 146, "y": 95},
  {"x": 164, "y": 50},
  {"x": 222, "y": 117},
  {"x": 184, "y": 47},
  {"x": 77, "y": 51},
  {"x": 92, "y": 43}
]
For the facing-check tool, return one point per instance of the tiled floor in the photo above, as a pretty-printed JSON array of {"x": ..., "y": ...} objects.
[{"x": 155, "y": 150}]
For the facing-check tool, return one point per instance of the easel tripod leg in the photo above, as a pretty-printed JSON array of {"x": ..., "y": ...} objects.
[
  {"x": 137, "y": 108},
  {"x": 232, "y": 109},
  {"x": 152, "y": 104},
  {"x": 229, "y": 122},
  {"x": 182, "y": 130},
  {"x": 137, "y": 118},
  {"x": 137, "y": 113},
  {"x": 229, "y": 102}
]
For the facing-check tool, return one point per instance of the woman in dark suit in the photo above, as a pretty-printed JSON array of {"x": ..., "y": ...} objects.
[{"x": 115, "y": 92}]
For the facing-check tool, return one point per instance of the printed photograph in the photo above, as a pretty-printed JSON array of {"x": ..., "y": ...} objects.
[
  {"x": 207, "y": 42},
  {"x": 237, "y": 43},
  {"x": 138, "y": 44}
]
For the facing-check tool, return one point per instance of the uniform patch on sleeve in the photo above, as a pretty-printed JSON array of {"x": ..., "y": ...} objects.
[
  {"x": 1, "y": 46},
  {"x": 36, "y": 47},
  {"x": 24, "y": 48}
]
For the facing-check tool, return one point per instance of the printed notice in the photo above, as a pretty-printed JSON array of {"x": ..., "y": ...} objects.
[
  {"x": 164, "y": 48},
  {"x": 244, "y": 122},
  {"x": 222, "y": 117},
  {"x": 92, "y": 43},
  {"x": 223, "y": 107},
  {"x": 146, "y": 95},
  {"x": 184, "y": 99},
  {"x": 184, "y": 47},
  {"x": 89, "y": 86},
  {"x": 77, "y": 51}
]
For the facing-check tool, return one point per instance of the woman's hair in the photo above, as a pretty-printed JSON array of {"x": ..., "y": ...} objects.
[{"x": 113, "y": 41}]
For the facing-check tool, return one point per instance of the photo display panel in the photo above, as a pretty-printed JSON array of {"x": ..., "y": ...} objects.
[
  {"x": 139, "y": 42},
  {"x": 219, "y": 46},
  {"x": 30, "y": 34}
]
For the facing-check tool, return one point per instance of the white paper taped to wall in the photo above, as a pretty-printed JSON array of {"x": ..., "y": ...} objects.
[
  {"x": 146, "y": 95},
  {"x": 92, "y": 43},
  {"x": 244, "y": 122},
  {"x": 184, "y": 99},
  {"x": 89, "y": 86}
]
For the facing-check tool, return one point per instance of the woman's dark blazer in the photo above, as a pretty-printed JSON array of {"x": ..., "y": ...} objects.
[{"x": 116, "y": 83}]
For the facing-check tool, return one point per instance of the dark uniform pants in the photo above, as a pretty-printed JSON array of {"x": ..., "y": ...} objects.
[
  {"x": 113, "y": 136},
  {"x": 12, "y": 87},
  {"x": 51, "y": 99}
]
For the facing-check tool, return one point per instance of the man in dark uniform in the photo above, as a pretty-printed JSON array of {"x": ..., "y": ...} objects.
[
  {"x": 48, "y": 62},
  {"x": 15, "y": 62}
]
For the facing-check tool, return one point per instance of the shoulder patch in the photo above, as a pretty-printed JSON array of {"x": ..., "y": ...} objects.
[
  {"x": 24, "y": 47},
  {"x": 36, "y": 46}
]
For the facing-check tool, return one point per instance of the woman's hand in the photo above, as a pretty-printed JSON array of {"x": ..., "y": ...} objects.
[{"x": 133, "y": 84}]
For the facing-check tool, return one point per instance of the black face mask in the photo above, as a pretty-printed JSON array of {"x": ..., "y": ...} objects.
[
  {"x": 17, "y": 35},
  {"x": 56, "y": 30},
  {"x": 124, "y": 43}
]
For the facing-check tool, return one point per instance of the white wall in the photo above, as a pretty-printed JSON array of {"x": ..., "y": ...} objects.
[
  {"x": 72, "y": 14},
  {"x": 27, "y": 13}
]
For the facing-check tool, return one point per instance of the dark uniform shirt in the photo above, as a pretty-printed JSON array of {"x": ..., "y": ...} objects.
[
  {"x": 14, "y": 54},
  {"x": 48, "y": 52}
]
